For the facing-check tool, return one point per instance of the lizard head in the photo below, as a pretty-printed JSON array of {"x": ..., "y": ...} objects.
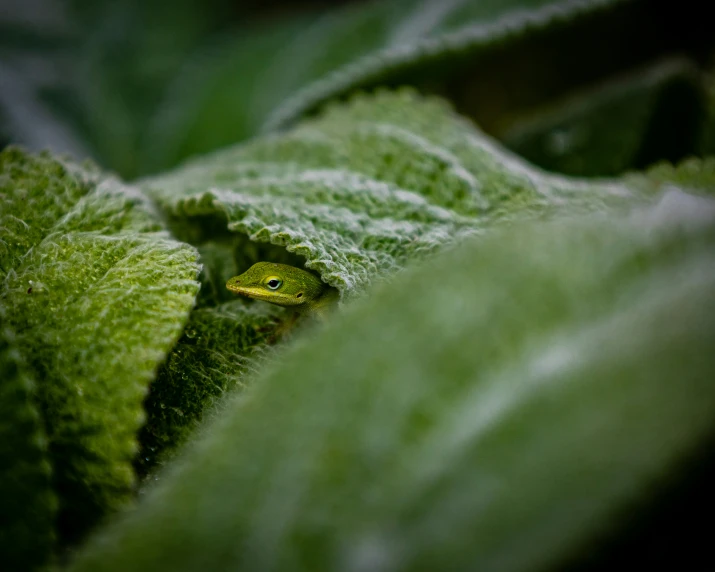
[{"x": 277, "y": 283}]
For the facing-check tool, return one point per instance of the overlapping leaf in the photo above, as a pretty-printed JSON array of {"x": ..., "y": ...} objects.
[
  {"x": 356, "y": 194},
  {"x": 361, "y": 449},
  {"x": 211, "y": 358},
  {"x": 93, "y": 295},
  {"x": 495, "y": 409},
  {"x": 369, "y": 186}
]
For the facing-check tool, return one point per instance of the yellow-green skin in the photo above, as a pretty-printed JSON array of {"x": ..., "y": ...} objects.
[{"x": 298, "y": 290}]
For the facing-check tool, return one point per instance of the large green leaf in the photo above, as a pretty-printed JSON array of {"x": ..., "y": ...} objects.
[
  {"x": 498, "y": 408},
  {"x": 356, "y": 195},
  {"x": 210, "y": 359},
  {"x": 366, "y": 441},
  {"x": 94, "y": 293},
  {"x": 368, "y": 186}
]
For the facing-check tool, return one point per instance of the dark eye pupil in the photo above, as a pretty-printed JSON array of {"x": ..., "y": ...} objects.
[{"x": 273, "y": 283}]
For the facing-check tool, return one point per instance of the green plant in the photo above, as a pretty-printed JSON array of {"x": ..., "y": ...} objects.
[{"x": 520, "y": 369}]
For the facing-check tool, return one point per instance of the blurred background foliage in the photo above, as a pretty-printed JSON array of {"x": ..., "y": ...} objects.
[{"x": 140, "y": 86}]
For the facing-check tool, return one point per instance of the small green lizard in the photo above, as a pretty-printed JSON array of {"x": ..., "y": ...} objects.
[{"x": 286, "y": 286}]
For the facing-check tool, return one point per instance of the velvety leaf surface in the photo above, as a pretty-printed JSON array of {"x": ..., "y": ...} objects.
[
  {"x": 498, "y": 408},
  {"x": 355, "y": 194},
  {"x": 370, "y": 185},
  {"x": 695, "y": 174},
  {"x": 505, "y": 404},
  {"x": 27, "y": 501},
  {"x": 210, "y": 359},
  {"x": 94, "y": 294}
]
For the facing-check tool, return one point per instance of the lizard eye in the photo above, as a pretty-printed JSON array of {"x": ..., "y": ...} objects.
[{"x": 274, "y": 283}]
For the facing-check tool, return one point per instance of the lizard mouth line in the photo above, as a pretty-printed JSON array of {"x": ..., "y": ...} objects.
[{"x": 255, "y": 293}]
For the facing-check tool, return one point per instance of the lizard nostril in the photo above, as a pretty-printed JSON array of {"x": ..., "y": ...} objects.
[{"x": 300, "y": 295}]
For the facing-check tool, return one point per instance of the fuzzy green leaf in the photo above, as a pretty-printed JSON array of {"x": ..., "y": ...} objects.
[
  {"x": 496, "y": 408},
  {"x": 27, "y": 502},
  {"x": 210, "y": 359},
  {"x": 369, "y": 186},
  {"x": 695, "y": 174},
  {"x": 94, "y": 293},
  {"x": 356, "y": 194}
]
